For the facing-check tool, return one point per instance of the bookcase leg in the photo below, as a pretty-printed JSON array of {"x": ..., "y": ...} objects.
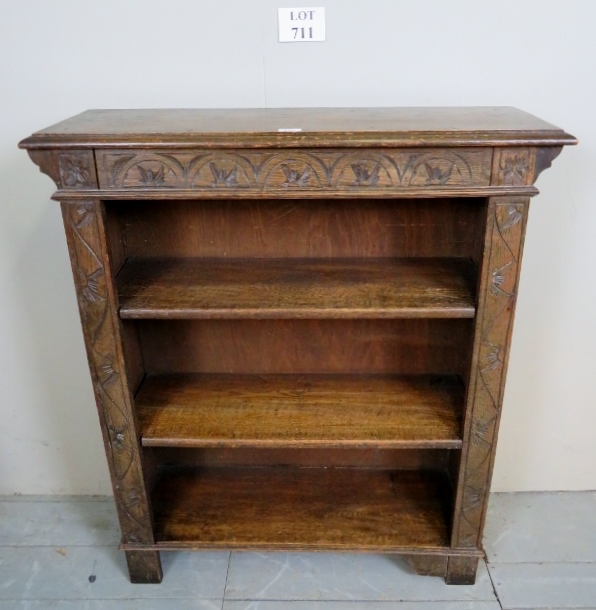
[
  {"x": 427, "y": 565},
  {"x": 144, "y": 567},
  {"x": 461, "y": 570}
]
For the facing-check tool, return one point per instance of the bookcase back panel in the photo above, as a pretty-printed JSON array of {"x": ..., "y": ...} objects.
[
  {"x": 305, "y": 346},
  {"x": 301, "y": 228},
  {"x": 402, "y": 459}
]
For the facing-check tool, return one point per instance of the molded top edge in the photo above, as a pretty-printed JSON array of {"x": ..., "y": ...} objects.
[{"x": 291, "y": 127}]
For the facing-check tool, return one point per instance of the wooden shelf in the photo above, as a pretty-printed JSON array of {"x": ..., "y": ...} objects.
[
  {"x": 384, "y": 411},
  {"x": 279, "y": 508},
  {"x": 297, "y": 288}
]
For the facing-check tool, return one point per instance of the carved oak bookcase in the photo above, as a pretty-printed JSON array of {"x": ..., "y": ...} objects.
[{"x": 298, "y": 321}]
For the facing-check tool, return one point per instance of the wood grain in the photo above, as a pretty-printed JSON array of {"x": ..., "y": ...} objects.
[
  {"x": 427, "y": 566},
  {"x": 415, "y": 346},
  {"x": 344, "y": 457},
  {"x": 300, "y": 411},
  {"x": 317, "y": 228},
  {"x": 373, "y": 194},
  {"x": 144, "y": 567},
  {"x": 258, "y": 127},
  {"x": 188, "y": 288},
  {"x": 301, "y": 509},
  {"x": 461, "y": 570}
]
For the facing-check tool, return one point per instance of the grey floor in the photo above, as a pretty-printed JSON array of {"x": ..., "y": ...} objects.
[{"x": 60, "y": 553}]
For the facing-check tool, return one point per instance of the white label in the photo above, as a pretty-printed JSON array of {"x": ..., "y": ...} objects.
[{"x": 301, "y": 24}]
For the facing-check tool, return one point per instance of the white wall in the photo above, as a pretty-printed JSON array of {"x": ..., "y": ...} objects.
[{"x": 58, "y": 58}]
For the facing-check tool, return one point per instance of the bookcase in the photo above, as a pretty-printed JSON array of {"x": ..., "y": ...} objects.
[{"x": 298, "y": 321}]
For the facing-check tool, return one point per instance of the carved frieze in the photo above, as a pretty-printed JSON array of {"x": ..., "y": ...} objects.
[{"x": 286, "y": 169}]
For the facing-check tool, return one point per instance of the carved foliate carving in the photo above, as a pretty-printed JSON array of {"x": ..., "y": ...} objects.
[
  {"x": 436, "y": 175},
  {"x": 84, "y": 229},
  {"x": 223, "y": 176},
  {"x": 151, "y": 178},
  {"x": 307, "y": 169},
  {"x": 72, "y": 170},
  {"x": 365, "y": 176},
  {"x": 514, "y": 169},
  {"x": 505, "y": 227},
  {"x": 513, "y": 166},
  {"x": 295, "y": 177}
]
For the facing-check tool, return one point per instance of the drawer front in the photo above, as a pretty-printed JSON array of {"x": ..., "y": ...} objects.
[{"x": 291, "y": 170}]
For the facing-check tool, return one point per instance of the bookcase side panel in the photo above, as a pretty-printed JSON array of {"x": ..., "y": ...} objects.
[
  {"x": 499, "y": 276},
  {"x": 85, "y": 227}
]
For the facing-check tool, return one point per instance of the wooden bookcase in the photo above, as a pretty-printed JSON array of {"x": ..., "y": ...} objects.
[{"x": 298, "y": 340}]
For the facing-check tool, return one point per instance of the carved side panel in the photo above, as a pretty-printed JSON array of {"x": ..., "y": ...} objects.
[
  {"x": 498, "y": 289},
  {"x": 84, "y": 225},
  {"x": 325, "y": 169}
]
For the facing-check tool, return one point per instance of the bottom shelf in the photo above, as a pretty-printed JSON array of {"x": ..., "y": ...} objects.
[{"x": 285, "y": 508}]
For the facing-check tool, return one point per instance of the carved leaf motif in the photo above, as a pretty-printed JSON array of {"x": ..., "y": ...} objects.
[
  {"x": 514, "y": 169},
  {"x": 107, "y": 370},
  {"x": 327, "y": 170},
  {"x": 293, "y": 177},
  {"x": 498, "y": 279},
  {"x": 364, "y": 176},
  {"x": 481, "y": 429},
  {"x": 91, "y": 290},
  {"x": 117, "y": 165},
  {"x": 118, "y": 437},
  {"x": 85, "y": 212},
  {"x": 221, "y": 177},
  {"x": 151, "y": 178},
  {"x": 436, "y": 176},
  {"x": 74, "y": 171},
  {"x": 493, "y": 358},
  {"x": 474, "y": 497},
  {"x": 513, "y": 217},
  {"x": 469, "y": 539}
]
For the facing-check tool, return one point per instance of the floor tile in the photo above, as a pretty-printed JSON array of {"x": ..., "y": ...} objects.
[
  {"x": 541, "y": 527},
  {"x": 63, "y": 573},
  {"x": 52, "y": 498},
  {"x": 58, "y": 523},
  {"x": 545, "y": 585},
  {"x": 356, "y": 605},
  {"x": 332, "y": 576},
  {"x": 120, "y": 604}
]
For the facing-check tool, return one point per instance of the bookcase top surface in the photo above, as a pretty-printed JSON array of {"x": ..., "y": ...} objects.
[{"x": 296, "y": 127}]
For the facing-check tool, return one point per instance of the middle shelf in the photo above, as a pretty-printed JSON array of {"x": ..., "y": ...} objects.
[
  {"x": 259, "y": 288},
  {"x": 294, "y": 410}
]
